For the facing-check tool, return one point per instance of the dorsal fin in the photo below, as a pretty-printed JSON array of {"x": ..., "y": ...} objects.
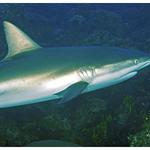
[{"x": 17, "y": 40}]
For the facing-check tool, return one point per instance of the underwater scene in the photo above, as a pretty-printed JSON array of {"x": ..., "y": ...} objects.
[{"x": 117, "y": 115}]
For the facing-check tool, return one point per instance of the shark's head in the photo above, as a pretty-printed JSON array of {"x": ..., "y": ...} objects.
[
  {"x": 132, "y": 65},
  {"x": 121, "y": 65},
  {"x": 125, "y": 60},
  {"x": 141, "y": 62}
]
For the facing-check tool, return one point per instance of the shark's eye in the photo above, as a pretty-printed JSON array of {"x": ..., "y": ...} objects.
[{"x": 135, "y": 61}]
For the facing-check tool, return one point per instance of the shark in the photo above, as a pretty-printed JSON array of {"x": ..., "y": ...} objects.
[{"x": 30, "y": 73}]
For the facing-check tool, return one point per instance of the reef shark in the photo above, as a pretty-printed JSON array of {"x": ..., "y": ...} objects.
[{"x": 30, "y": 73}]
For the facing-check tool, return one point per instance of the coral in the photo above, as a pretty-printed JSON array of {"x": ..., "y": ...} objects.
[
  {"x": 128, "y": 101},
  {"x": 99, "y": 134},
  {"x": 142, "y": 138}
]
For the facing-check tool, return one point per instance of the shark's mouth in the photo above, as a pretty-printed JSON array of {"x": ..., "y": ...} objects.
[
  {"x": 133, "y": 73},
  {"x": 147, "y": 63}
]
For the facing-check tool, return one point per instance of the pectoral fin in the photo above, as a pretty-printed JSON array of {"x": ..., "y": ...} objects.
[{"x": 73, "y": 91}]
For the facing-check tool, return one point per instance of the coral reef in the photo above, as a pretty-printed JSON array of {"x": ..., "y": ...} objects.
[{"x": 142, "y": 138}]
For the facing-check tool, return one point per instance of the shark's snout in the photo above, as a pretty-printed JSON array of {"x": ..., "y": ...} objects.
[{"x": 144, "y": 64}]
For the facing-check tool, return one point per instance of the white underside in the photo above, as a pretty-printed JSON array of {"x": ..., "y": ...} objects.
[
  {"x": 33, "y": 89},
  {"x": 46, "y": 89}
]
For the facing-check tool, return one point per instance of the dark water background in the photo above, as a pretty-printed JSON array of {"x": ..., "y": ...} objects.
[{"x": 115, "y": 116}]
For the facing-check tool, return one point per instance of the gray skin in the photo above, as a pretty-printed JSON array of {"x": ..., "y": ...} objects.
[{"x": 43, "y": 74}]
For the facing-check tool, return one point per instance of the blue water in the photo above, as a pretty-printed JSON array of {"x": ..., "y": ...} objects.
[{"x": 115, "y": 116}]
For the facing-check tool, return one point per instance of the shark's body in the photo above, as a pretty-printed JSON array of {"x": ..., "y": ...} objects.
[{"x": 32, "y": 74}]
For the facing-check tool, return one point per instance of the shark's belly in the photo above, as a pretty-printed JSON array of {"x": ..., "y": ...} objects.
[
  {"x": 28, "y": 90},
  {"x": 24, "y": 95}
]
